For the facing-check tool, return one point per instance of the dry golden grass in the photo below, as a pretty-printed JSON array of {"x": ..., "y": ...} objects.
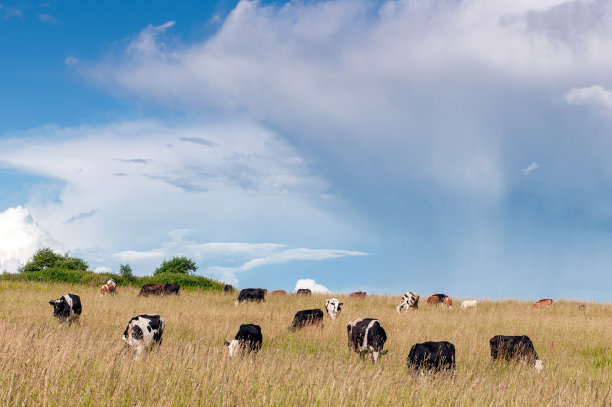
[{"x": 45, "y": 364}]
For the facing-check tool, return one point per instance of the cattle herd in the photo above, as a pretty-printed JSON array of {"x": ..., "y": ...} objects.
[{"x": 366, "y": 336}]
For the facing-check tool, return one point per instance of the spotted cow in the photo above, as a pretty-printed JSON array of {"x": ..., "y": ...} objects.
[
  {"x": 109, "y": 288},
  {"x": 67, "y": 308},
  {"x": 366, "y": 336},
  {"x": 409, "y": 300},
  {"x": 144, "y": 332},
  {"x": 333, "y": 307}
]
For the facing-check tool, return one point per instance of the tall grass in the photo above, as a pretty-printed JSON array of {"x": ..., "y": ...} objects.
[{"x": 42, "y": 363}]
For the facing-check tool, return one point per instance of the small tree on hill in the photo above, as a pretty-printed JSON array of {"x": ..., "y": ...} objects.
[
  {"x": 46, "y": 258},
  {"x": 126, "y": 271},
  {"x": 181, "y": 265}
]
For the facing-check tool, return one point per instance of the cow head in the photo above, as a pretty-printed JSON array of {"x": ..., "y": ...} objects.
[
  {"x": 376, "y": 354},
  {"x": 234, "y": 347},
  {"x": 61, "y": 308}
]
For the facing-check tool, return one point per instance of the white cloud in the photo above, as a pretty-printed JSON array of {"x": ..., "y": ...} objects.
[
  {"x": 311, "y": 285},
  {"x": 71, "y": 60},
  {"x": 103, "y": 269},
  {"x": 595, "y": 97},
  {"x": 531, "y": 167}
]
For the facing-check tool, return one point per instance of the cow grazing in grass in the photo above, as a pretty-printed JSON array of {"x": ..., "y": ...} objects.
[
  {"x": 409, "y": 300},
  {"x": 432, "y": 356},
  {"x": 303, "y": 291},
  {"x": 67, "y": 308},
  {"x": 515, "y": 347},
  {"x": 333, "y": 307},
  {"x": 469, "y": 304},
  {"x": 171, "y": 289},
  {"x": 278, "y": 292},
  {"x": 546, "y": 303},
  {"x": 151, "y": 289},
  {"x": 251, "y": 294},
  {"x": 582, "y": 307},
  {"x": 228, "y": 289},
  {"x": 308, "y": 317},
  {"x": 440, "y": 299},
  {"x": 247, "y": 341},
  {"x": 109, "y": 288},
  {"x": 366, "y": 336},
  {"x": 358, "y": 294},
  {"x": 144, "y": 332}
]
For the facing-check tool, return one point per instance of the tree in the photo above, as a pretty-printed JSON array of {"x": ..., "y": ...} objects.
[
  {"x": 181, "y": 265},
  {"x": 126, "y": 271},
  {"x": 46, "y": 258}
]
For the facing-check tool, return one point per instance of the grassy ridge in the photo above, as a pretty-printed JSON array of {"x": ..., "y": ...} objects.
[
  {"x": 43, "y": 364},
  {"x": 55, "y": 275}
]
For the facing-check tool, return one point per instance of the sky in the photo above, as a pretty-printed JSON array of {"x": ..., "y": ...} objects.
[{"x": 386, "y": 146}]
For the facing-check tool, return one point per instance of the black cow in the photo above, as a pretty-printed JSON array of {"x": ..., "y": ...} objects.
[
  {"x": 67, "y": 308},
  {"x": 515, "y": 347},
  {"x": 251, "y": 294},
  {"x": 307, "y": 317},
  {"x": 228, "y": 289},
  {"x": 432, "y": 356},
  {"x": 247, "y": 340},
  {"x": 304, "y": 291},
  {"x": 367, "y": 336},
  {"x": 170, "y": 289},
  {"x": 155, "y": 289}
]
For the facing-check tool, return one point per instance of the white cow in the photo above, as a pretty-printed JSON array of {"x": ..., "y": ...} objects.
[
  {"x": 409, "y": 300},
  {"x": 333, "y": 307},
  {"x": 469, "y": 304},
  {"x": 144, "y": 331}
]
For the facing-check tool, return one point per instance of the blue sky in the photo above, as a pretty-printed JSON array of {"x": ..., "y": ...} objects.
[{"x": 386, "y": 146}]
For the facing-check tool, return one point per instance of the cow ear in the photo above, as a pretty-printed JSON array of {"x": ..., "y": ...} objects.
[{"x": 226, "y": 343}]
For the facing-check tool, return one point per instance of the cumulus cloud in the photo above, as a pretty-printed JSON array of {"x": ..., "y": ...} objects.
[
  {"x": 103, "y": 269},
  {"x": 531, "y": 167},
  {"x": 311, "y": 285},
  {"x": 595, "y": 97}
]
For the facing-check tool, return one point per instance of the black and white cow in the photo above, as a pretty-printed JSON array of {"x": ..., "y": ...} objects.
[
  {"x": 67, "y": 308},
  {"x": 432, "y": 356},
  {"x": 251, "y": 294},
  {"x": 409, "y": 300},
  {"x": 247, "y": 341},
  {"x": 366, "y": 336},
  {"x": 333, "y": 307},
  {"x": 307, "y": 317},
  {"x": 515, "y": 347},
  {"x": 143, "y": 332}
]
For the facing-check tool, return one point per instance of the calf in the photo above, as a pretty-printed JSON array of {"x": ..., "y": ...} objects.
[
  {"x": 251, "y": 294},
  {"x": 333, "y": 307},
  {"x": 109, "y": 288},
  {"x": 469, "y": 304},
  {"x": 228, "y": 289},
  {"x": 143, "y": 332},
  {"x": 432, "y": 356},
  {"x": 366, "y": 336},
  {"x": 358, "y": 294},
  {"x": 409, "y": 300},
  {"x": 306, "y": 317},
  {"x": 67, "y": 308},
  {"x": 303, "y": 291},
  {"x": 247, "y": 340},
  {"x": 546, "y": 303},
  {"x": 171, "y": 289},
  {"x": 155, "y": 289},
  {"x": 515, "y": 347}
]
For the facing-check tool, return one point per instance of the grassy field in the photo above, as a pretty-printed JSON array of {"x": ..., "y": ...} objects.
[{"x": 44, "y": 364}]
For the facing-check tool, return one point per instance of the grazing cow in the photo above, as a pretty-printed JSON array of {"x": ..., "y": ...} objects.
[
  {"x": 469, "y": 304},
  {"x": 278, "y": 292},
  {"x": 247, "y": 340},
  {"x": 546, "y": 303},
  {"x": 409, "y": 299},
  {"x": 303, "y": 291},
  {"x": 432, "y": 356},
  {"x": 228, "y": 289},
  {"x": 67, "y": 308},
  {"x": 143, "y": 332},
  {"x": 109, "y": 288},
  {"x": 440, "y": 299},
  {"x": 366, "y": 336},
  {"x": 515, "y": 347},
  {"x": 358, "y": 294},
  {"x": 582, "y": 307},
  {"x": 155, "y": 289},
  {"x": 333, "y": 307},
  {"x": 251, "y": 294},
  {"x": 307, "y": 317},
  {"x": 170, "y": 289}
]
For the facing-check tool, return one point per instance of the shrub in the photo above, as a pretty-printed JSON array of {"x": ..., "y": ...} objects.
[
  {"x": 46, "y": 258},
  {"x": 181, "y": 265}
]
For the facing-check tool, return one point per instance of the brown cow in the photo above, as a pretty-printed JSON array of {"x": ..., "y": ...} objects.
[
  {"x": 303, "y": 291},
  {"x": 358, "y": 294},
  {"x": 278, "y": 292},
  {"x": 155, "y": 289},
  {"x": 440, "y": 299},
  {"x": 545, "y": 303},
  {"x": 582, "y": 307},
  {"x": 228, "y": 289},
  {"x": 109, "y": 288}
]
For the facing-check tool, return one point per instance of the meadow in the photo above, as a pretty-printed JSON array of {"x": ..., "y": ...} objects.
[{"x": 43, "y": 364}]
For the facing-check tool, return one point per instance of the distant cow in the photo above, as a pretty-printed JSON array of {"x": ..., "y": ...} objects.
[
  {"x": 67, "y": 308},
  {"x": 546, "y": 303},
  {"x": 143, "y": 332},
  {"x": 109, "y": 288},
  {"x": 358, "y": 294},
  {"x": 155, "y": 289},
  {"x": 228, "y": 289},
  {"x": 247, "y": 341},
  {"x": 366, "y": 336},
  {"x": 582, "y": 307},
  {"x": 409, "y": 300},
  {"x": 251, "y": 294},
  {"x": 440, "y": 299},
  {"x": 333, "y": 307},
  {"x": 432, "y": 356},
  {"x": 515, "y": 347},
  {"x": 278, "y": 292},
  {"x": 469, "y": 304},
  {"x": 171, "y": 289},
  {"x": 307, "y": 317},
  {"x": 303, "y": 291}
]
